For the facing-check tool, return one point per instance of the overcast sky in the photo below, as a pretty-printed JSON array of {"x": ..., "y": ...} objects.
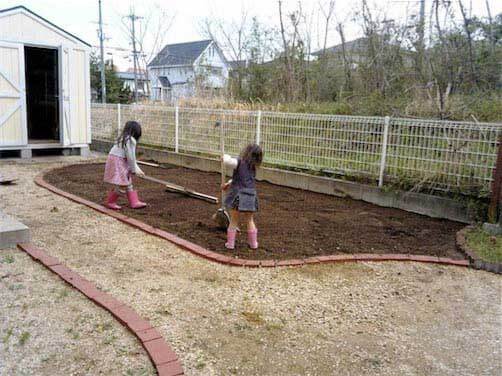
[{"x": 79, "y": 16}]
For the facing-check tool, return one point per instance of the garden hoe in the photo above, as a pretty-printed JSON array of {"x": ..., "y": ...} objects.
[
  {"x": 221, "y": 216},
  {"x": 171, "y": 187}
]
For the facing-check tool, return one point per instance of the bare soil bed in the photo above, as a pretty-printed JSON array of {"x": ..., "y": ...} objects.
[{"x": 292, "y": 223}]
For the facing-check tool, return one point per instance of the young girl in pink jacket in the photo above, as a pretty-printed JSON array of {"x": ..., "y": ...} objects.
[{"x": 121, "y": 165}]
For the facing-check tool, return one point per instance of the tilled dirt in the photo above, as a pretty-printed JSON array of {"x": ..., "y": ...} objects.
[{"x": 292, "y": 223}]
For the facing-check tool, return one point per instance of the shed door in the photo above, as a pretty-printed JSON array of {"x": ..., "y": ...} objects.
[
  {"x": 13, "y": 130},
  {"x": 65, "y": 94}
]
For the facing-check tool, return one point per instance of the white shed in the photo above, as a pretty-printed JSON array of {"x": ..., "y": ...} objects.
[{"x": 44, "y": 85}]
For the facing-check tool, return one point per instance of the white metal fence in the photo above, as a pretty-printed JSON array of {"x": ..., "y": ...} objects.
[{"x": 414, "y": 154}]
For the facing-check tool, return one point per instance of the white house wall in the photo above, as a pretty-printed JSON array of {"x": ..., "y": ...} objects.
[
  {"x": 175, "y": 74},
  {"x": 212, "y": 59}
]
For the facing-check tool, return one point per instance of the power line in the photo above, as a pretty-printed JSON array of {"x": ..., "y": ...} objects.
[{"x": 133, "y": 19}]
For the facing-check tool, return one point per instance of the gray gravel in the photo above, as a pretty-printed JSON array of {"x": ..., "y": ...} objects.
[
  {"x": 348, "y": 319},
  {"x": 48, "y": 328}
]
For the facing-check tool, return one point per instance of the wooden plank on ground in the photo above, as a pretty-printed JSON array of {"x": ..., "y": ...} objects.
[{"x": 180, "y": 189}]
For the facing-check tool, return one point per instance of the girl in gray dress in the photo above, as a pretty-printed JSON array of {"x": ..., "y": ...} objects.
[{"x": 241, "y": 199}]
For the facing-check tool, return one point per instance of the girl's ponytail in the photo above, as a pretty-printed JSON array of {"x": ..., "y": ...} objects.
[{"x": 131, "y": 129}]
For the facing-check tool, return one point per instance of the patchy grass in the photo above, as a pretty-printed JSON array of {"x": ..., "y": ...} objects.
[
  {"x": 110, "y": 339},
  {"x": 164, "y": 312},
  {"x": 253, "y": 317},
  {"x": 8, "y": 259},
  {"x": 101, "y": 327},
  {"x": 15, "y": 286},
  {"x": 24, "y": 338},
  {"x": 274, "y": 326},
  {"x": 487, "y": 247},
  {"x": 73, "y": 333},
  {"x": 7, "y": 336},
  {"x": 207, "y": 277},
  {"x": 62, "y": 294}
]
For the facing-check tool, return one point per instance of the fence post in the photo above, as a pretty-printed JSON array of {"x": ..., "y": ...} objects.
[
  {"x": 258, "y": 127},
  {"x": 119, "y": 119},
  {"x": 176, "y": 129},
  {"x": 496, "y": 191},
  {"x": 384, "y": 150}
]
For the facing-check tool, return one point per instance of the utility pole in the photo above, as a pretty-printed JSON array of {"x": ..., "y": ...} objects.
[
  {"x": 133, "y": 19},
  {"x": 101, "y": 39}
]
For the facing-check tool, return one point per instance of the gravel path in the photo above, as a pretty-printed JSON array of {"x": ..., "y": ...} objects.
[
  {"x": 364, "y": 319},
  {"x": 47, "y": 328}
]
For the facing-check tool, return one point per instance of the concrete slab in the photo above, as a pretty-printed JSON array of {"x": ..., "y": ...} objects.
[
  {"x": 26, "y": 154},
  {"x": 12, "y": 232},
  {"x": 493, "y": 228}
]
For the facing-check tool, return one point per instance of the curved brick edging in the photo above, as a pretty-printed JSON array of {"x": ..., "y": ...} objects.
[
  {"x": 163, "y": 357},
  {"x": 227, "y": 260},
  {"x": 475, "y": 261}
]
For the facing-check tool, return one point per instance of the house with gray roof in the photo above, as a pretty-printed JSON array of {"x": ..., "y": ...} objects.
[
  {"x": 179, "y": 70},
  {"x": 357, "y": 50},
  {"x": 141, "y": 79}
]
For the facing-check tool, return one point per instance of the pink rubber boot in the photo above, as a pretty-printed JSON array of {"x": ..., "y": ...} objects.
[
  {"x": 111, "y": 200},
  {"x": 253, "y": 239},
  {"x": 231, "y": 233},
  {"x": 134, "y": 202}
]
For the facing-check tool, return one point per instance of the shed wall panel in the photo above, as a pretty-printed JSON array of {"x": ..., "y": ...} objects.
[
  {"x": 22, "y": 28},
  {"x": 78, "y": 96},
  {"x": 11, "y": 95}
]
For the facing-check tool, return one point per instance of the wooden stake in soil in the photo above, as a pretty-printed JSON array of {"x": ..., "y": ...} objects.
[{"x": 221, "y": 216}]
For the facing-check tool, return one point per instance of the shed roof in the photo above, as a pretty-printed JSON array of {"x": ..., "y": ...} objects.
[
  {"x": 180, "y": 53},
  {"x": 23, "y": 8}
]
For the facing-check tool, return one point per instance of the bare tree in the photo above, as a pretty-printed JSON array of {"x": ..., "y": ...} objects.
[
  {"x": 151, "y": 36},
  {"x": 287, "y": 55},
  {"x": 231, "y": 36},
  {"x": 469, "y": 41},
  {"x": 346, "y": 62},
  {"x": 327, "y": 14},
  {"x": 490, "y": 27}
]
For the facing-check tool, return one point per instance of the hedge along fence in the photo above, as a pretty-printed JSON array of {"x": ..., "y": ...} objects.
[{"x": 440, "y": 156}]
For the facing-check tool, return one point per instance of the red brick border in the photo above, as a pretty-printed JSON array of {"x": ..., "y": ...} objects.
[
  {"x": 227, "y": 260},
  {"x": 164, "y": 358}
]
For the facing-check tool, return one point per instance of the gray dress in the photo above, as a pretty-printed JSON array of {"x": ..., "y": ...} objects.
[{"x": 242, "y": 192}]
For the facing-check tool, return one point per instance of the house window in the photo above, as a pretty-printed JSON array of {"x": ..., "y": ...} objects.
[{"x": 216, "y": 70}]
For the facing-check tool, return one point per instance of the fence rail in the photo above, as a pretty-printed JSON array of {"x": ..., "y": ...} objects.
[{"x": 412, "y": 153}]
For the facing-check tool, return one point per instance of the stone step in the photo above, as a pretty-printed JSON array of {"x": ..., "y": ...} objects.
[{"x": 12, "y": 232}]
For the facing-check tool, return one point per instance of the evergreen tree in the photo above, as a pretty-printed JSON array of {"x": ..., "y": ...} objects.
[{"x": 115, "y": 90}]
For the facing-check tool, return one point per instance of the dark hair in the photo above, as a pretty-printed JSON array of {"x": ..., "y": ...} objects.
[
  {"x": 131, "y": 129},
  {"x": 252, "y": 154}
]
